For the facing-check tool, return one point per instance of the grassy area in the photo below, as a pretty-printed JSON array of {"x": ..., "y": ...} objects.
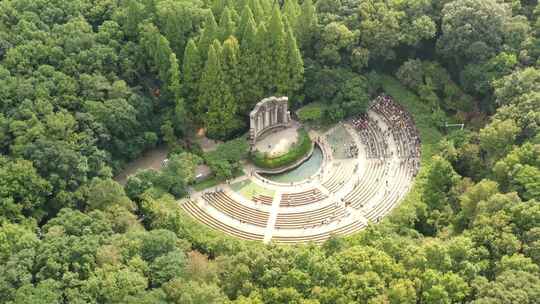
[
  {"x": 249, "y": 189},
  {"x": 299, "y": 150}
]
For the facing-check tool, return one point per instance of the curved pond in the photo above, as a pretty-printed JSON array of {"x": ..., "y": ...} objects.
[{"x": 302, "y": 172}]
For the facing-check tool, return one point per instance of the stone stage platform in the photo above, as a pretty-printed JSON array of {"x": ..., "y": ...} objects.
[{"x": 279, "y": 141}]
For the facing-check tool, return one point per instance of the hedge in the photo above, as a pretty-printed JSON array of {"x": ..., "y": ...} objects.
[{"x": 299, "y": 150}]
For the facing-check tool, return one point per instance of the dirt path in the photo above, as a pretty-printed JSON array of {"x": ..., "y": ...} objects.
[{"x": 149, "y": 160}]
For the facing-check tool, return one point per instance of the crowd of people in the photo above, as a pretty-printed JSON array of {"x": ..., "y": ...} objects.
[
  {"x": 400, "y": 125},
  {"x": 377, "y": 146}
]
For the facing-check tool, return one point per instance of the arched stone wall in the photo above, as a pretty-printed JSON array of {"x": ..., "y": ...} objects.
[{"x": 267, "y": 114}]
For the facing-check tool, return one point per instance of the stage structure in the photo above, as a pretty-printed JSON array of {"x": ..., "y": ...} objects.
[{"x": 269, "y": 114}]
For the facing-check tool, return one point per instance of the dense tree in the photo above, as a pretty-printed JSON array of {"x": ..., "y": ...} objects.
[
  {"x": 192, "y": 66},
  {"x": 472, "y": 30},
  {"x": 216, "y": 100}
]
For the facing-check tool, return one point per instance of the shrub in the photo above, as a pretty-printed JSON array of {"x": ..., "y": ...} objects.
[{"x": 312, "y": 112}]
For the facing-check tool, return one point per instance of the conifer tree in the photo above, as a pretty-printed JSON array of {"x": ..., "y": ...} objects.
[
  {"x": 306, "y": 25},
  {"x": 276, "y": 38},
  {"x": 174, "y": 91},
  {"x": 250, "y": 71},
  {"x": 227, "y": 27},
  {"x": 234, "y": 15},
  {"x": 175, "y": 23},
  {"x": 247, "y": 16},
  {"x": 209, "y": 33},
  {"x": 229, "y": 62},
  {"x": 191, "y": 67},
  {"x": 216, "y": 98},
  {"x": 257, "y": 10},
  {"x": 293, "y": 63},
  {"x": 267, "y": 7},
  {"x": 291, "y": 10},
  {"x": 158, "y": 50},
  {"x": 173, "y": 85},
  {"x": 218, "y": 48},
  {"x": 265, "y": 66},
  {"x": 218, "y": 6}
]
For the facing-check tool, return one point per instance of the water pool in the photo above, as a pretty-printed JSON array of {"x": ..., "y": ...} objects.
[{"x": 302, "y": 172}]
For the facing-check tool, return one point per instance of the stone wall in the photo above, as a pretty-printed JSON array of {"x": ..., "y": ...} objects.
[{"x": 268, "y": 113}]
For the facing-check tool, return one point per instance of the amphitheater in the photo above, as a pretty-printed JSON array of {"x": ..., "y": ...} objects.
[{"x": 368, "y": 165}]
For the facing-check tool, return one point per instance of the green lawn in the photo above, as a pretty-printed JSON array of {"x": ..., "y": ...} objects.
[{"x": 249, "y": 189}]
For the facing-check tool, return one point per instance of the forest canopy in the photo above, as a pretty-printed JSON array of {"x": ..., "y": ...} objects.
[{"x": 87, "y": 86}]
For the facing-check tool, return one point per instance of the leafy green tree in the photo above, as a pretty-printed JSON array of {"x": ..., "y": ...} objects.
[
  {"x": 115, "y": 285},
  {"x": 192, "y": 292},
  {"x": 498, "y": 137},
  {"x": 474, "y": 196},
  {"x": 178, "y": 172},
  {"x": 510, "y": 87},
  {"x": 167, "y": 267},
  {"x": 22, "y": 191},
  {"x": 47, "y": 291},
  {"x": 472, "y": 30},
  {"x": 509, "y": 287},
  {"x": 440, "y": 180},
  {"x": 105, "y": 193}
]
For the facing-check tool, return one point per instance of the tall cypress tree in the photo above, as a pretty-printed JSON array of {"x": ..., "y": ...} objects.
[
  {"x": 265, "y": 64},
  {"x": 218, "y": 6},
  {"x": 231, "y": 72},
  {"x": 293, "y": 63},
  {"x": 258, "y": 11},
  {"x": 215, "y": 96},
  {"x": 209, "y": 33},
  {"x": 276, "y": 36},
  {"x": 226, "y": 25},
  {"x": 267, "y": 6},
  {"x": 174, "y": 90},
  {"x": 175, "y": 22},
  {"x": 250, "y": 69},
  {"x": 247, "y": 16},
  {"x": 306, "y": 25},
  {"x": 191, "y": 67},
  {"x": 291, "y": 10},
  {"x": 158, "y": 50}
]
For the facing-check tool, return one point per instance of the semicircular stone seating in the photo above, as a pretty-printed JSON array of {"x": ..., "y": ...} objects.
[{"x": 348, "y": 193}]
